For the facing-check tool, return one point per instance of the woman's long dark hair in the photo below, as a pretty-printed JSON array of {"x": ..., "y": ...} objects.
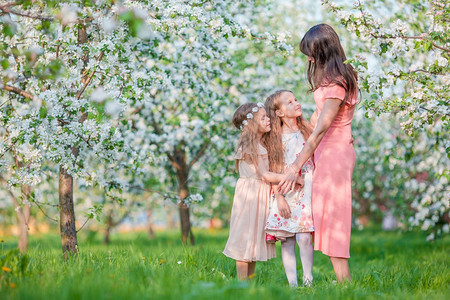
[{"x": 322, "y": 44}]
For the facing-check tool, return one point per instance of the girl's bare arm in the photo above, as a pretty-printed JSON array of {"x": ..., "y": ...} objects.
[{"x": 274, "y": 177}]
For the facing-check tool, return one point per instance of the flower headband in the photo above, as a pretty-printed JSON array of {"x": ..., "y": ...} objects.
[{"x": 250, "y": 115}]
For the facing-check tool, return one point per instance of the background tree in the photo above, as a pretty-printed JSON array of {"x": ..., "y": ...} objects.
[{"x": 74, "y": 74}]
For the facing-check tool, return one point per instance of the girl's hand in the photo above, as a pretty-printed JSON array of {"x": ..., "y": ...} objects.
[
  {"x": 283, "y": 207},
  {"x": 300, "y": 182},
  {"x": 288, "y": 182}
]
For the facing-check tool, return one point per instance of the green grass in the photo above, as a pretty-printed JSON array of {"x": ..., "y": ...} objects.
[{"x": 383, "y": 265}]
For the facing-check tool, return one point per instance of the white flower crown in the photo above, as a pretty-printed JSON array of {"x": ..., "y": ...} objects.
[{"x": 250, "y": 115}]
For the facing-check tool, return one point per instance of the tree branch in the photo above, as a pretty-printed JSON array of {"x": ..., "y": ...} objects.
[
  {"x": 422, "y": 38},
  {"x": 385, "y": 36},
  {"x": 44, "y": 212},
  {"x": 200, "y": 153},
  {"x": 90, "y": 77},
  {"x": 18, "y": 91},
  {"x": 5, "y": 8},
  {"x": 166, "y": 194},
  {"x": 126, "y": 214},
  {"x": 174, "y": 163},
  {"x": 8, "y": 5},
  {"x": 9, "y": 148},
  {"x": 85, "y": 222}
]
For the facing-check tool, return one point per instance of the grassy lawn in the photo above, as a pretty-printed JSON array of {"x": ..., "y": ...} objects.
[{"x": 384, "y": 265}]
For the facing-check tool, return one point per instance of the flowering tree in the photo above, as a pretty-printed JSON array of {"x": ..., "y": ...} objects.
[
  {"x": 53, "y": 55},
  {"x": 403, "y": 66},
  {"x": 189, "y": 117},
  {"x": 91, "y": 87}
]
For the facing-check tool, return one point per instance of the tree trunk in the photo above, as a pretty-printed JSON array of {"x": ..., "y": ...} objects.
[
  {"x": 107, "y": 239},
  {"x": 181, "y": 166},
  {"x": 109, "y": 227},
  {"x": 186, "y": 230},
  {"x": 23, "y": 233},
  {"x": 23, "y": 217},
  {"x": 66, "y": 208},
  {"x": 67, "y": 214},
  {"x": 151, "y": 232}
]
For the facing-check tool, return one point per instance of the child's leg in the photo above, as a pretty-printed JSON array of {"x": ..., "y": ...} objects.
[
  {"x": 242, "y": 269},
  {"x": 251, "y": 268},
  {"x": 306, "y": 255},
  {"x": 289, "y": 260}
]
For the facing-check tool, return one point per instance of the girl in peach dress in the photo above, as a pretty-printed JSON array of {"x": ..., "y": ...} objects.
[
  {"x": 290, "y": 218},
  {"x": 246, "y": 243},
  {"x": 335, "y": 88}
]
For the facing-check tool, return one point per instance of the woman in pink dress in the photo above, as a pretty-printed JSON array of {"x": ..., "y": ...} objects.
[{"x": 335, "y": 88}]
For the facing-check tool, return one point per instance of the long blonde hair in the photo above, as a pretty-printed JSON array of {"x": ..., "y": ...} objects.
[
  {"x": 273, "y": 140},
  {"x": 248, "y": 141}
]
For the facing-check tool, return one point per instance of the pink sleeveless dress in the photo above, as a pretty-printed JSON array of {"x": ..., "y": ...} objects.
[{"x": 334, "y": 160}]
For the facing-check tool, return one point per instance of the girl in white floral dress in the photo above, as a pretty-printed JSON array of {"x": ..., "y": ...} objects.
[{"x": 290, "y": 217}]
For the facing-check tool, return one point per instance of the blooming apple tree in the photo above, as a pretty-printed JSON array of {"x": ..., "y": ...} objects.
[{"x": 109, "y": 90}]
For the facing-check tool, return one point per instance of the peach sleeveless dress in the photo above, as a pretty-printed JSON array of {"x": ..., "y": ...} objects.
[
  {"x": 334, "y": 160},
  {"x": 247, "y": 239}
]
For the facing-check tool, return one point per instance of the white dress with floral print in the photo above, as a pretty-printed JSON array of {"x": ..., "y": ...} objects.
[{"x": 299, "y": 201}]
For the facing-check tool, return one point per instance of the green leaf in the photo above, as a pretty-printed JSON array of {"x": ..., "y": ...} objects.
[
  {"x": 427, "y": 46},
  {"x": 384, "y": 48},
  {"x": 9, "y": 29},
  {"x": 5, "y": 64},
  {"x": 43, "y": 112}
]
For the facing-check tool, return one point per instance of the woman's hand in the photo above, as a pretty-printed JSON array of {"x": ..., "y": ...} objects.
[
  {"x": 283, "y": 207},
  {"x": 290, "y": 179}
]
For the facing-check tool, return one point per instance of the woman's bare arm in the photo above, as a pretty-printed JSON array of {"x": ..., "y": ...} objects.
[
  {"x": 313, "y": 120},
  {"x": 326, "y": 118}
]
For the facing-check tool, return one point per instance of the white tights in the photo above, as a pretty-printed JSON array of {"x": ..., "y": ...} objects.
[{"x": 290, "y": 261}]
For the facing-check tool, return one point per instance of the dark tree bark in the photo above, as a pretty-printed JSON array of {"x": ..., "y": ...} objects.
[
  {"x": 67, "y": 214},
  {"x": 109, "y": 227},
  {"x": 186, "y": 230},
  {"x": 181, "y": 166},
  {"x": 151, "y": 232}
]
